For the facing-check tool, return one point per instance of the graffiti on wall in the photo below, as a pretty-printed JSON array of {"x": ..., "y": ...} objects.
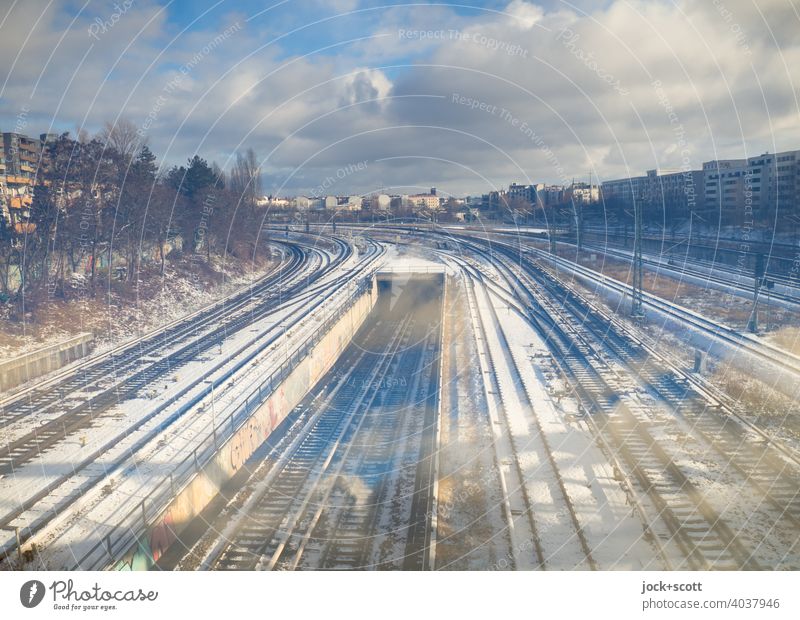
[{"x": 151, "y": 547}]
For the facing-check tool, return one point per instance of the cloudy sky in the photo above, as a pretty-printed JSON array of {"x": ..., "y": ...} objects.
[{"x": 462, "y": 95}]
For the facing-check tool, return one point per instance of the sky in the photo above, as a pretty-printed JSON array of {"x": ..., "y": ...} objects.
[{"x": 362, "y": 96}]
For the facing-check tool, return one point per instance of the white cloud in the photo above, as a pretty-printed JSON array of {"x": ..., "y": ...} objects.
[
  {"x": 727, "y": 68},
  {"x": 524, "y": 14}
]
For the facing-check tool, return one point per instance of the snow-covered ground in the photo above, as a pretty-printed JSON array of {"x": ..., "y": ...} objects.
[
  {"x": 536, "y": 422},
  {"x": 141, "y": 443}
]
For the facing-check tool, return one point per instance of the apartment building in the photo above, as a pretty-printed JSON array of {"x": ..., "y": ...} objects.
[
  {"x": 304, "y": 203},
  {"x": 621, "y": 193},
  {"x": 772, "y": 186},
  {"x": 549, "y": 195},
  {"x": 426, "y": 202},
  {"x": 673, "y": 193},
  {"x": 21, "y": 156},
  {"x": 522, "y": 192},
  {"x": 662, "y": 193},
  {"x": 724, "y": 189},
  {"x": 582, "y": 193}
]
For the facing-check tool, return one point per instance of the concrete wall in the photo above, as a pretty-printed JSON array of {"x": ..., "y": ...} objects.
[
  {"x": 37, "y": 363},
  {"x": 235, "y": 452}
]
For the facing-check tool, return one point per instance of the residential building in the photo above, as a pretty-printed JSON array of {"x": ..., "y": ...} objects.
[
  {"x": 662, "y": 193},
  {"x": 773, "y": 185},
  {"x": 21, "y": 160},
  {"x": 673, "y": 193},
  {"x": 273, "y": 202},
  {"x": 424, "y": 202},
  {"x": 494, "y": 201},
  {"x": 581, "y": 193},
  {"x": 724, "y": 183},
  {"x": 382, "y": 202},
  {"x": 522, "y": 192},
  {"x": 350, "y": 203},
  {"x": 620, "y": 194},
  {"x": 304, "y": 203},
  {"x": 549, "y": 195}
]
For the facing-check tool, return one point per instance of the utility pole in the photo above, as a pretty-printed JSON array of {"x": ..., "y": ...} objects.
[
  {"x": 758, "y": 276},
  {"x": 579, "y": 215},
  {"x": 552, "y": 230},
  {"x": 637, "y": 309}
]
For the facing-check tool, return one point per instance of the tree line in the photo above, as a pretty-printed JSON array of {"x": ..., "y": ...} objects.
[{"x": 106, "y": 200}]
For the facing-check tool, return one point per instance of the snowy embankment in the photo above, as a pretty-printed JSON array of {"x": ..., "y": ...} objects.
[
  {"x": 154, "y": 433},
  {"x": 746, "y": 352}
]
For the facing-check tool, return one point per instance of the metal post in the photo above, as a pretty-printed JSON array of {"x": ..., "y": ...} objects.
[
  {"x": 213, "y": 411},
  {"x": 767, "y": 324},
  {"x": 637, "y": 311},
  {"x": 213, "y": 415},
  {"x": 758, "y": 274}
]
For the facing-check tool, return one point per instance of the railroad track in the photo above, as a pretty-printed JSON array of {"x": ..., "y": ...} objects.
[
  {"x": 184, "y": 342},
  {"x": 87, "y": 375},
  {"x": 90, "y": 372},
  {"x": 54, "y": 482},
  {"x": 149, "y": 498},
  {"x": 680, "y": 264},
  {"x": 761, "y": 350},
  {"x": 709, "y": 273},
  {"x": 326, "y": 506},
  {"x": 759, "y": 464},
  {"x": 518, "y": 414},
  {"x": 724, "y": 254},
  {"x": 262, "y": 535},
  {"x": 517, "y": 506}
]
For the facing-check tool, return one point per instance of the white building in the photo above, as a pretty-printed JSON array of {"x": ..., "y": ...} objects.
[
  {"x": 349, "y": 203},
  {"x": 305, "y": 203},
  {"x": 424, "y": 202}
]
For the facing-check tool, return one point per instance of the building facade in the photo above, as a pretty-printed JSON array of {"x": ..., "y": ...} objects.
[
  {"x": 773, "y": 185},
  {"x": 522, "y": 192},
  {"x": 662, "y": 193},
  {"x": 724, "y": 190},
  {"x": 21, "y": 158}
]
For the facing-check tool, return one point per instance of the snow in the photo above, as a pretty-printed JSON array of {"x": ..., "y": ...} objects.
[
  {"x": 613, "y": 535},
  {"x": 87, "y": 508}
]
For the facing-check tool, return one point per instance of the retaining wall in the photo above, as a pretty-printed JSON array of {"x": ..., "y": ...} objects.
[
  {"x": 37, "y": 363},
  {"x": 232, "y": 454}
]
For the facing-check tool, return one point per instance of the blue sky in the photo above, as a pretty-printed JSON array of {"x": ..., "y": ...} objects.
[{"x": 524, "y": 91}]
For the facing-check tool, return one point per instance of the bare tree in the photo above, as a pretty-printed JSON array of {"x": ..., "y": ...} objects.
[
  {"x": 246, "y": 177},
  {"x": 122, "y": 136}
]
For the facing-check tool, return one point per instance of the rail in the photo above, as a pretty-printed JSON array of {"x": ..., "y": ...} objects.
[{"x": 126, "y": 532}]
